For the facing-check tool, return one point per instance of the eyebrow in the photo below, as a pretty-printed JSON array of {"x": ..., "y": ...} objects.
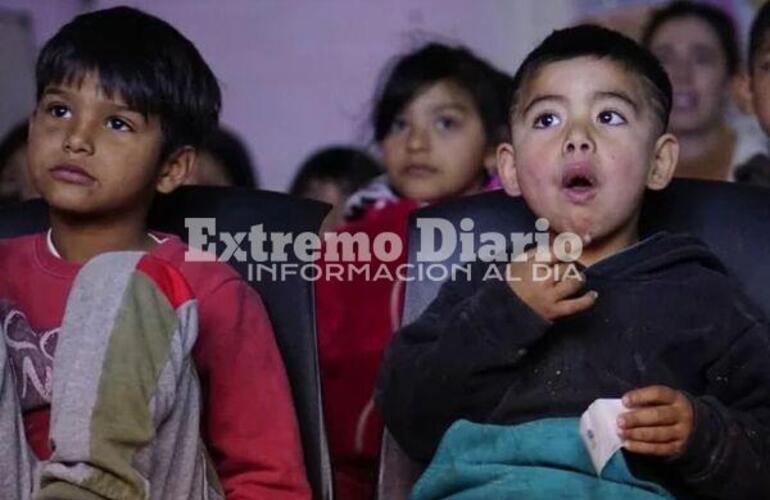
[
  {"x": 671, "y": 47},
  {"x": 450, "y": 106},
  {"x": 55, "y": 91},
  {"x": 618, "y": 94},
  {"x": 602, "y": 94},
  {"x": 539, "y": 99}
]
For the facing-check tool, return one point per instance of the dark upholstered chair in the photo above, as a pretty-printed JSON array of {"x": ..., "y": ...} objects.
[
  {"x": 734, "y": 220},
  {"x": 289, "y": 302}
]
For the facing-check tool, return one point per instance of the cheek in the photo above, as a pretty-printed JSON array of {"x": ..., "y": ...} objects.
[
  {"x": 39, "y": 147},
  {"x": 128, "y": 149},
  {"x": 713, "y": 81},
  {"x": 39, "y": 139},
  {"x": 532, "y": 181},
  {"x": 628, "y": 183},
  {"x": 629, "y": 160},
  {"x": 465, "y": 182},
  {"x": 391, "y": 154},
  {"x": 46, "y": 132},
  {"x": 537, "y": 159},
  {"x": 465, "y": 157}
]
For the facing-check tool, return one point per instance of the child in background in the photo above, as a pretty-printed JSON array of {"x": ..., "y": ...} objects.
[
  {"x": 14, "y": 180},
  {"x": 123, "y": 102},
  {"x": 757, "y": 87},
  {"x": 438, "y": 117},
  {"x": 223, "y": 160},
  {"x": 499, "y": 369},
  {"x": 697, "y": 46},
  {"x": 331, "y": 175}
]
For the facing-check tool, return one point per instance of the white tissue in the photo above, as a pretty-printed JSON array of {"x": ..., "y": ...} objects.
[{"x": 599, "y": 430}]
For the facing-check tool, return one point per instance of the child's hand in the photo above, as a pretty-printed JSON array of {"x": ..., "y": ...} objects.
[
  {"x": 549, "y": 298},
  {"x": 659, "y": 423}
]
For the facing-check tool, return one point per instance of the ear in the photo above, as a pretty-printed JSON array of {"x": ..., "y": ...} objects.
[
  {"x": 175, "y": 169},
  {"x": 506, "y": 169},
  {"x": 740, "y": 91},
  {"x": 664, "y": 162}
]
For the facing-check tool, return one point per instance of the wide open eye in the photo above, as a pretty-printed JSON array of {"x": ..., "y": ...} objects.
[
  {"x": 119, "y": 124},
  {"x": 59, "y": 111},
  {"x": 611, "y": 118},
  {"x": 546, "y": 120}
]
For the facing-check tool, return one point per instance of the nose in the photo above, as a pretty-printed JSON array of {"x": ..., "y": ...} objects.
[
  {"x": 79, "y": 138},
  {"x": 417, "y": 138},
  {"x": 578, "y": 140},
  {"x": 680, "y": 71}
]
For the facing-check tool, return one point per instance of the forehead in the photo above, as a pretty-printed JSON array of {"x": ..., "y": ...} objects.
[
  {"x": 87, "y": 84},
  {"x": 685, "y": 31},
  {"x": 444, "y": 93},
  {"x": 581, "y": 77}
]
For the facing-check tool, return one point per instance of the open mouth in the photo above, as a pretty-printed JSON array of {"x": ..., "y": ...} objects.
[{"x": 579, "y": 183}]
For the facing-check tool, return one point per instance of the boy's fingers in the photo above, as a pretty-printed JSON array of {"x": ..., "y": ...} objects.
[
  {"x": 654, "y": 394},
  {"x": 658, "y": 449},
  {"x": 546, "y": 279},
  {"x": 659, "y": 434},
  {"x": 567, "y": 288},
  {"x": 651, "y": 416},
  {"x": 574, "y": 306}
]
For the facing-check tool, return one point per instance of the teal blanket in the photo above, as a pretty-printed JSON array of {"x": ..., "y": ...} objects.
[{"x": 544, "y": 459}]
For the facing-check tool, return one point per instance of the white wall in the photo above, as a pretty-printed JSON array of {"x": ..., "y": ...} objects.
[{"x": 300, "y": 74}]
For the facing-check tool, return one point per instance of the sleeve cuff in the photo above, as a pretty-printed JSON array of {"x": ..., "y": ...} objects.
[
  {"x": 504, "y": 320},
  {"x": 702, "y": 449}
]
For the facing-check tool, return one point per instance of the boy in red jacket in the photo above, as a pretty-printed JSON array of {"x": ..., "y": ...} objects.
[{"x": 123, "y": 101}]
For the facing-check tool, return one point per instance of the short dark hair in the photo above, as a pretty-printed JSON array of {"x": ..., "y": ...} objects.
[
  {"x": 412, "y": 73},
  {"x": 347, "y": 167},
  {"x": 715, "y": 17},
  {"x": 759, "y": 29},
  {"x": 588, "y": 40},
  {"x": 145, "y": 61}
]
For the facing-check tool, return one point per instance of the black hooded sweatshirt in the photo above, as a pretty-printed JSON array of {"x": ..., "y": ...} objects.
[{"x": 667, "y": 313}]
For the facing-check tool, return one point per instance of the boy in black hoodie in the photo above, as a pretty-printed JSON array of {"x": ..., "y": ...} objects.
[{"x": 661, "y": 325}]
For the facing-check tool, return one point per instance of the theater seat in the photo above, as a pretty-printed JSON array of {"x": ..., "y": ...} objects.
[
  {"x": 289, "y": 301},
  {"x": 732, "y": 219}
]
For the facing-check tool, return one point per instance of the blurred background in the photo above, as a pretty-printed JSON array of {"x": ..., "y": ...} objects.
[{"x": 301, "y": 74}]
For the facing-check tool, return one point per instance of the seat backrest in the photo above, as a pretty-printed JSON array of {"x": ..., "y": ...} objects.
[
  {"x": 289, "y": 299},
  {"x": 729, "y": 218}
]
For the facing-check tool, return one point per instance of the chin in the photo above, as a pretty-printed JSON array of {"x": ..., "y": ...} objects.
[
  {"x": 70, "y": 205},
  {"x": 422, "y": 196},
  {"x": 75, "y": 209},
  {"x": 557, "y": 226}
]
